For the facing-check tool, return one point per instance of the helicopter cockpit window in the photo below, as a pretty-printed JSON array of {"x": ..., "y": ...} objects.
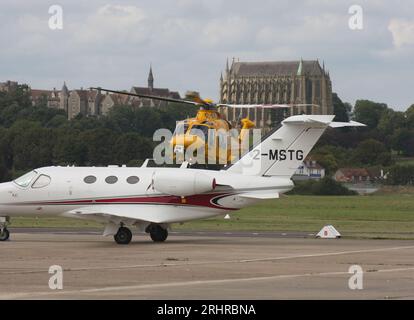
[
  {"x": 181, "y": 128},
  {"x": 26, "y": 179},
  {"x": 199, "y": 130},
  {"x": 41, "y": 181}
]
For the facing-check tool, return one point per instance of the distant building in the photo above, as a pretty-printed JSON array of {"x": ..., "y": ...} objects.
[
  {"x": 48, "y": 98},
  {"x": 150, "y": 90},
  {"x": 92, "y": 102},
  {"x": 276, "y": 82},
  {"x": 77, "y": 103},
  {"x": 64, "y": 98},
  {"x": 309, "y": 169},
  {"x": 85, "y": 102},
  {"x": 359, "y": 175},
  {"x": 109, "y": 101},
  {"x": 8, "y": 86},
  {"x": 352, "y": 175}
]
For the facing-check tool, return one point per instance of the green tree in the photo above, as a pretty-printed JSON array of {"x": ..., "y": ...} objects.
[
  {"x": 403, "y": 141},
  {"x": 100, "y": 144},
  {"x": 340, "y": 109},
  {"x": 32, "y": 146},
  {"x": 372, "y": 152},
  {"x": 70, "y": 148},
  {"x": 131, "y": 146},
  {"x": 410, "y": 116},
  {"x": 401, "y": 175},
  {"x": 323, "y": 187},
  {"x": 369, "y": 112}
]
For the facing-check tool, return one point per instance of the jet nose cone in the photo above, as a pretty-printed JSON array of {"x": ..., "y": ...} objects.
[{"x": 6, "y": 192}]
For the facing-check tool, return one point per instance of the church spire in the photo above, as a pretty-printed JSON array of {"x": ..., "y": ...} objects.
[
  {"x": 227, "y": 72},
  {"x": 300, "y": 68},
  {"x": 227, "y": 68},
  {"x": 150, "y": 79},
  {"x": 65, "y": 89}
]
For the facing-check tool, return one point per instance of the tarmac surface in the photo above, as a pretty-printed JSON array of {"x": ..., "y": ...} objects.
[{"x": 209, "y": 265}]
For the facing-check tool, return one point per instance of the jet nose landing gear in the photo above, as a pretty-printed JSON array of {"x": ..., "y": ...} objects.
[
  {"x": 123, "y": 236},
  {"x": 4, "y": 233},
  {"x": 157, "y": 233}
]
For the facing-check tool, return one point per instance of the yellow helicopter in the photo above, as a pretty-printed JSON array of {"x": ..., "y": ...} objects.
[
  {"x": 220, "y": 148},
  {"x": 210, "y": 132}
]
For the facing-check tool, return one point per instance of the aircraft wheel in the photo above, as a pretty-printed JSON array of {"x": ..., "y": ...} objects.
[
  {"x": 123, "y": 236},
  {"x": 4, "y": 235},
  {"x": 158, "y": 234}
]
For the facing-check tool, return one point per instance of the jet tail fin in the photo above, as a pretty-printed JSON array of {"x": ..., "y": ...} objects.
[{"x": 283, "y": 151}]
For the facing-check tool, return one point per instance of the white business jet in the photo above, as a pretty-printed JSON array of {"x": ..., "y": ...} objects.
[{"x": 154, "y": 198}]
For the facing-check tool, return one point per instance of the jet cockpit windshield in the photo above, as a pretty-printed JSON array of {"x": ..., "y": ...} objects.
[{"x": 25, "y": 179}]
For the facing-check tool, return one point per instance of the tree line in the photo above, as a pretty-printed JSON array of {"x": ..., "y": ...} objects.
[
  {"x": 387, "y": 138},
  {"x": 35, "y": 136}
]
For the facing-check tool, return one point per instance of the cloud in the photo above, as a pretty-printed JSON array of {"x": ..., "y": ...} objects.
[
  {"x": 231, "y": 31},
  {"x": 114, "y": 23},
  {"x": 402, "y": 32},
  {"x": 111, "y": 43}
]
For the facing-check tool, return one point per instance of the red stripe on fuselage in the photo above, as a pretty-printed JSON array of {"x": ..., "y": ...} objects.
[{"x": 202, "y": 200}]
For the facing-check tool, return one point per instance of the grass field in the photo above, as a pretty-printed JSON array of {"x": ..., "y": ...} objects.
[
  {"x": 405, "y": 160},
  {"x": 375, "y": 216}
]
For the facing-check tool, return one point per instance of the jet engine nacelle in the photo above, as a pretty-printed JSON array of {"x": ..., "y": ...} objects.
[{"x": 190, "y": 183}]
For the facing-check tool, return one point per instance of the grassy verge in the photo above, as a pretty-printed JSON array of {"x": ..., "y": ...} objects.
[
  {"x": 376, "y": 216},
  {"x": 406, "y": 160}
]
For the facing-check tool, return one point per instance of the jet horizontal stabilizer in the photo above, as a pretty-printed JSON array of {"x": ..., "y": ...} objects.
[
  {"x": 262, "y": 196},
  {"x": 346, "y": 124}
]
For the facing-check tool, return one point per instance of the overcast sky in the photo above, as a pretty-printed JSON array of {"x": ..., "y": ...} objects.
[{"x": 112, "y": 43}]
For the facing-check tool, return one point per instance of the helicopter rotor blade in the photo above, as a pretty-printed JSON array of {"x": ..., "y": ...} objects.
[
  {"x": 146, "y": 96},
  {"x": 264, "y": 106},
  {"x": 267, "y": 106}
]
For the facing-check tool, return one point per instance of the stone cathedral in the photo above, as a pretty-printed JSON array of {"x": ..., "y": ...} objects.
[{"x": 304, "y": 85}]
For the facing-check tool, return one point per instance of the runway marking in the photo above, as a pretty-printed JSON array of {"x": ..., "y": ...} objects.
[
  {"x": 186, "y": 283},
  {"x": 178, "y": 264}
]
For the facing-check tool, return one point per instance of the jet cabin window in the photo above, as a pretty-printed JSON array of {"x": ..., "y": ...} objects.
[
  {"x": 26, "y": 179},
  {"x": 89, "y": 179},
  {"x": 132, "y": 180},
  {"x": 111, "y": 179},
  {"x": 41, "y": 182}
]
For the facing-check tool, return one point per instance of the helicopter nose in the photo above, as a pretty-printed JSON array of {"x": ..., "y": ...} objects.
[{"x": 184, "y": 140}]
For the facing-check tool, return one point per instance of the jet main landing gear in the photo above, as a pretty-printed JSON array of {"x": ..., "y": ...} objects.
[
  {"x": 4, "y": 233},
  {"x": 123, "y": 236},
  {"x": 157, "y": 233}
]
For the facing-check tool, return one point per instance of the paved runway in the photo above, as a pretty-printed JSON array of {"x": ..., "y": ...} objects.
[
  {"x": 206, "y": 266},
  {"x": 85, "y": 231}
]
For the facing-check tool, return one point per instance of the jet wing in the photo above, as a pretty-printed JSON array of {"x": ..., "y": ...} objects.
[
  {"x": 117, "y": 213},
  {"x": 138, "y": 213}
]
